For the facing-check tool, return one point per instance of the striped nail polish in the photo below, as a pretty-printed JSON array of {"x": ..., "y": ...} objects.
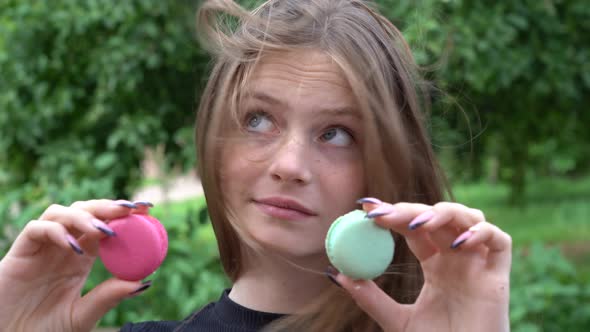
[
  {"x": 144, "y": 203},
  {"x": 461, "y": 239},
  {"x": 420, "y": 220},
  {"x": 381, "y": 210},
  {"x": 101, "y": 226},
  {"x": 331, "y": 274},
  {"x": 126, "y": 204},
  {"x": 74, "y": 244},
  {"x": 144, "y": 286},
  {"x": 370, "y": 200}
]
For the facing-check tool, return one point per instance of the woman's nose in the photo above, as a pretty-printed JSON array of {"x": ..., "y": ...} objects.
[{"x": 291, "y": 162}]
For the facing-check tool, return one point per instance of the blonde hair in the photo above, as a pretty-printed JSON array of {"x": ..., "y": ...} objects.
[{"x": 378, "y": 64}]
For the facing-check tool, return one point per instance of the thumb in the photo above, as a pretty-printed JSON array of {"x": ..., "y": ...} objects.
[
  {"x": 389, "y": 314},
  {"x": 96, "y": 303}
]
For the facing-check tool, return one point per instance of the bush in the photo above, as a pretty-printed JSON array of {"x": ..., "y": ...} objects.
[
  {"x": 85, "y": 87},
  {"x": 547, "y": 293}
]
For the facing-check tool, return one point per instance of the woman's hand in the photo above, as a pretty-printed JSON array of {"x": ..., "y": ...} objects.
[
  {"x": 466, "y": 263},
  {"x": 42, "y": 275}
]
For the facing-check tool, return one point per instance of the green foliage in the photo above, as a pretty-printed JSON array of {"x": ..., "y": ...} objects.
[
  {"x": 547, "y": 294},
  {"x": 520, "y": 69},
  {"x": 85, "y": 87}
]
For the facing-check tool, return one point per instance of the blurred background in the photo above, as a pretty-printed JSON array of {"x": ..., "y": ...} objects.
[{"x": 97, "y": 99}]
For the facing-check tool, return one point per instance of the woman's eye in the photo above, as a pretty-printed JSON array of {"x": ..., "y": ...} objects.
[
  {"x": 259, "y": 122},
  {"x": 337, "y": 136}
]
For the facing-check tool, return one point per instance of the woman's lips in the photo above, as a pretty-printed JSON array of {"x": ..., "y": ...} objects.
[{"x": 283, "y": 209}]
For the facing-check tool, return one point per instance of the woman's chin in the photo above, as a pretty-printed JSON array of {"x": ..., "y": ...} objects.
[{"x": 290, "y": 247}]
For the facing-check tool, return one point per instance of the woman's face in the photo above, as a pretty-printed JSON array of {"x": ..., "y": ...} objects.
[{"x": 297, "y": 164}]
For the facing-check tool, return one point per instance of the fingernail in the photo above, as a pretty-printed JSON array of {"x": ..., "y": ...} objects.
[
  {"x": 143, "y": 207},
  {"x": 369, "y": 200},
  {"x": 144, "y": 203},
  {"x": 461, "y": 239},
  {"x": 331, "y": 274},
  {"x": 144, "y": 285},
  {"x": 74, "y": 244},
  {"x": 421, "y": 219},
  {"x": 380, "y": 211},
  {"x": 101, "y": 226},
  {"x": 126, "y": 204}
]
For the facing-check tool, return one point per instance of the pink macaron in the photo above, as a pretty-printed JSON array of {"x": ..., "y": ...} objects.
[{"x": 137, "y": 250}]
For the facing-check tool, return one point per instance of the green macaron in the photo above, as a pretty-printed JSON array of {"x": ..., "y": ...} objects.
[{"x": 359, "y": 248}]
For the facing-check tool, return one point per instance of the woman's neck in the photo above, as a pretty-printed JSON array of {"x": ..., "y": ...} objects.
[{"x": 272, "y": 284}]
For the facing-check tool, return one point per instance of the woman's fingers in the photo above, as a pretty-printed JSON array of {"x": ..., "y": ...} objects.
[
  {"x": 497, "y": 241},
  {"x": 427, "y": 229},
  {"x": 61, "y": 225},
  {"x": 38, "y": 233},
  {"x": 396, "y": 217},
  {"x": 448, "y": 220},
  {"x": 96, "y": 303},
  {"x": 390, "y": 315},
  {"x": 106, "y": 209},
  {"x": 88, "y": 218},
  {"x": 77, "y": 221},
  {"x": 443, "y": 213}
]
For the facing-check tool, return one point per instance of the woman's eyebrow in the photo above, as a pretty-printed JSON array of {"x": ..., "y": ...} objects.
[{"x": 336, "y": 111}]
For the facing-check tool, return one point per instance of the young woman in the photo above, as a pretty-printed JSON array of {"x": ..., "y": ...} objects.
[{"x": 310, "y": 106}]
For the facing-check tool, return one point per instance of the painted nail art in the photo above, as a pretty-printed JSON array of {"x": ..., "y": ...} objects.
[
  {"x": 101, "y": 226},
  {"x": 144, "y": 203},
  {"x": 144, "y": 285},
  {"x": 126, "y": 204},
  {"x": 331, "y": 274},
  {"x": 461, "y": 239},
  {"x": 421, "y": 219},
  {"x": 380, "y": 211},
  {"x": 371, "y": 200},
  {"x": 74, "y": 244}
]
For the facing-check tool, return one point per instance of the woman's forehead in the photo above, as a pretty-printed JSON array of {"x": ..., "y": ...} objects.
[
  {"x": 300, "y": 75},
  {"x": 304, "y": 67}
]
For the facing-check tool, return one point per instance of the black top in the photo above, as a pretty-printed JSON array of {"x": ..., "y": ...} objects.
[{"x": 222, "y": 316}]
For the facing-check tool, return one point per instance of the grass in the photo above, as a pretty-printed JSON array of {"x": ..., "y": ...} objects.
[{"x": 556, "y": 210}]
